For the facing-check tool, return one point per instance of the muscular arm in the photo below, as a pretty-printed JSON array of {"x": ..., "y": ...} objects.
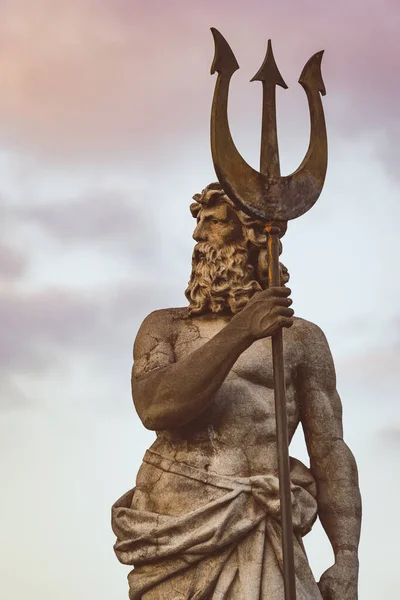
[
  {"x": 332, "y": 463},
  {"x": 168, "y": 394}
]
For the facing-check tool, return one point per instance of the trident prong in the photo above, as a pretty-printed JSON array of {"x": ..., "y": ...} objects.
[
  {"x": 268, "y": 195},
  {"x": 270, "y": 77}
]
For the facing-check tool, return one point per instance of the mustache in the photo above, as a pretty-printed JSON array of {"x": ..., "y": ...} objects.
[{"x": 208, "y": 249}]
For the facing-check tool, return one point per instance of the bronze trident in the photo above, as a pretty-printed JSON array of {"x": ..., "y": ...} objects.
[{"x": 275, "y": 200}]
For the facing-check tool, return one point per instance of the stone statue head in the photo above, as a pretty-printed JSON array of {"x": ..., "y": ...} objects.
[{"x": 229, "y": 262}]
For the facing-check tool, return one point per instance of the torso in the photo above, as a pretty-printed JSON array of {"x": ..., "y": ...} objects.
[{"x": 236, "y": 434}]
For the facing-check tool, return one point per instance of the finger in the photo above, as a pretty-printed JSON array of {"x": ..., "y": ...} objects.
[
  {"x": 285, "y": 312},
  {"x": 279, "y": 291},
  {"x": 279, "y": 301},
  {"x": 284, "y": 322},
  {"x": 274, "y": 292},
  {"x": 282, "y": 311}
]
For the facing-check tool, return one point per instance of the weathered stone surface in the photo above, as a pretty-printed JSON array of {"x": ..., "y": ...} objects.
[{"x": 203, "y": 519}]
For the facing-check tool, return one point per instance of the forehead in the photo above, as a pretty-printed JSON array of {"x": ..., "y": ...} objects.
[{"x": 220, "y": 211}]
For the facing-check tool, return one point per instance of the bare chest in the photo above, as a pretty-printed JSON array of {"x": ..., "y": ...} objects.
[
  {"x": 245, "y": 401},
  {"x": 236, "y": 433},
  {"x": 254, "y": 365}
]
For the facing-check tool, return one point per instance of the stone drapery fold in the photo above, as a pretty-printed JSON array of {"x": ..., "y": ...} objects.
[{"x": 226, "y": 549}]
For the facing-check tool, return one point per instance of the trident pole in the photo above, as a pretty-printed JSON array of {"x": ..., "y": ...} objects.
[
  {"x": 270, "y": 77},
  {"x": 274, "y": 199},
  {"x": 289, "y": 573}
]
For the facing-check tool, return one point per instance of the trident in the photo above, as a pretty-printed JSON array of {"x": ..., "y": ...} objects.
[{"x": 275, "y": 200}]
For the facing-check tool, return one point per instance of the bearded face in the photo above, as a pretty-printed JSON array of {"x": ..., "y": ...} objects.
[
  {"x": 222, "y": 279},
  {"x": 229, "y": 262}
]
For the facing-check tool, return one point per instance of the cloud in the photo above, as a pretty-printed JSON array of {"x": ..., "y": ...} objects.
[
  {"x": 379, "y": 363},
  {"x": 36, "y": 326},
  {"x": 112, "y": 221},
  {"x": 43, "y": 333},
  {"x": 95, "y": 77},
  {"x": 79, "y": 75},
  {"x": 100, "y": 218},
  {"x": 13, "y": 263},
  {"x": 390, "y": 435}
]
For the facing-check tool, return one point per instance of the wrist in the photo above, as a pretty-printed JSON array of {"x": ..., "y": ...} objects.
[
  {"x": 241, "y": 331},
  {"x": 347, "y": 555}
]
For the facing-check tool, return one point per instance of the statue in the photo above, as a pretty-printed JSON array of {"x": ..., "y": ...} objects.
[{"x": 204, "y": 521}]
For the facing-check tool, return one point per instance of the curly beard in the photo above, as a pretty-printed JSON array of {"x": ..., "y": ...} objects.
[{"x": 222, "y": 278}]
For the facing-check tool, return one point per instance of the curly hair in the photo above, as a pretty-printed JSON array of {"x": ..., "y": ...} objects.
[
  {"x": 227, "y": 277},
  {"x": 253, "y": 228}
]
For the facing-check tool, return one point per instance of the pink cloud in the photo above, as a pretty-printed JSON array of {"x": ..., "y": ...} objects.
[
  {"x": 93, "y": 76},
  {"x": 13, "y": 263}
]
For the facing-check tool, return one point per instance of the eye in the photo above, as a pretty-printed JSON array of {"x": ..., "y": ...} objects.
[{"x": 214, "y": 221}]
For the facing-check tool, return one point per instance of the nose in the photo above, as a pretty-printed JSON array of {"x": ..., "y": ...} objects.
[{"x": 199, "y": 233}]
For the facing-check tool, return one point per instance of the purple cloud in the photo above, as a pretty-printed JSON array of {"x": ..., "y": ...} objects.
[
  {"x": 118, "y": 77},
  {"x": 13, "y": 263},
  {"x": 97, "y": 218},
  {"x": 40, "y": 330}
]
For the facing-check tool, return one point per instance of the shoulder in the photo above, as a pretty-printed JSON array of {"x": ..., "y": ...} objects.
[
  {"x": 165, "y": 322},
  {"x": 305, "y": 332},
  {"x": 315, "y": 360},
  {"x": 311, "y": 344},
  {"x": 154, "y": 343}
]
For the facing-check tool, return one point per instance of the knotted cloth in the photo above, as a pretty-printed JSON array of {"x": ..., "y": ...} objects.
[{"x": 226, "y": 549}]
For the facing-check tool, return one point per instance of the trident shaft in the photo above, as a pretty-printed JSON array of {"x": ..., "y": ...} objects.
[{"x": 267, "y": 195}]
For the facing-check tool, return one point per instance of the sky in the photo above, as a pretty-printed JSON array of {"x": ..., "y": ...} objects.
[{"x": 104, "y": 121}]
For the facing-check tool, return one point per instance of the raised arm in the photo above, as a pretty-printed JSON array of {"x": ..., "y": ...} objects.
[
  {"x": 168, "y": 394},
  {"x": 331, "y": 462}
]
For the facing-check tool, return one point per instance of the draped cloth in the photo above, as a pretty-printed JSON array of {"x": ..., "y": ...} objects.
[{"x": 226, "y": 549}]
